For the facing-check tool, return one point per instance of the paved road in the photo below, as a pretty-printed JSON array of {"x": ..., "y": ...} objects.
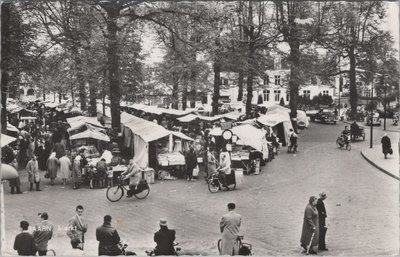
[{"x": 362, "y": 205}]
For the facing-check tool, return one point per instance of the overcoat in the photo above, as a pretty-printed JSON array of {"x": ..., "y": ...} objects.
[
  {"x": 230, "y": 225},
  {"x": 310, "y": 221}
]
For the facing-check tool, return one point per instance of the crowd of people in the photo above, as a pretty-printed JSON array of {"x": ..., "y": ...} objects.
[{"x": 36, "y": 242}]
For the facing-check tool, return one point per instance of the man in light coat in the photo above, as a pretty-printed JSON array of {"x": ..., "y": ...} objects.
[
  {"x": 230, "y": 225},
  {"x": 77, "y": 226}
]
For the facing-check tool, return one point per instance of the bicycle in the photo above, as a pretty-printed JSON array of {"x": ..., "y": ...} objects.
[
  {"x": 245, "y": 249},
  {"x": 115, "y": 193},
  {"x": 215, "y": 183},
  {"x": 177, "y": 250}
]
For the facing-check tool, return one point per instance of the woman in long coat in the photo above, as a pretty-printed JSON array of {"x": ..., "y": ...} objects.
[
  {"x": 53, "y": 165},
  {"x": 310, "y": 226},
  {"x": 33, "y": 171}
]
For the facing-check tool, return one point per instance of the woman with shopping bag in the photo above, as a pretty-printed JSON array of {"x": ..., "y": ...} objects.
[{"x": 33, "y": 173}]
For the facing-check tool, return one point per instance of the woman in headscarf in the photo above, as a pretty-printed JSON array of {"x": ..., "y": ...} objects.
[
  {"x": 33, "y": 173},
  {"x": 310, "y": 231}
]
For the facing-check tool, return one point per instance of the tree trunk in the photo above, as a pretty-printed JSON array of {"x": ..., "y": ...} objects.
[
  {"x": 175, "y": 88},
  {"x": 249, "y": 92},
  {"x": 113, "y": 67},
  {"x": 353, "y": 85},
  {"x": 104, "y": 105},
  {"x": 73, "y": 96},
  {"x": 92, "y": 99},
  {"x": 240, "y": 85},
  {"x": 59, "y": 97},
  {"x": 217, "y": 83},
  {"x": 5, "y": 45},
  {"x": 294, "y": 79},
  {"x": 193, "y": 89},
  {"x": 185, "y": 92}
]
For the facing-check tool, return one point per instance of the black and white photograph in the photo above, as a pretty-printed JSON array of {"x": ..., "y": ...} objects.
[{"x": 199, "y": 128}]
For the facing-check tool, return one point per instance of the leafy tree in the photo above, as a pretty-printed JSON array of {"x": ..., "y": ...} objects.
[
  {"x": 18, "y": 52},
  {"x": 351, "y": 28}
]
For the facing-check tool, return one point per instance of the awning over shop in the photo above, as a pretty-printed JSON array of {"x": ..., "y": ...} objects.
[
  {"x": 249, "y": 135},
  {"x": 188, "y": 118},
  {"x": 181, "y": 135},
  {"x": 232, "y": 115},
  {"x": 273, "y": 119},
  {"x": 79, "y": 120},
  {"x": 6, "y": 139},
  {"x": 91, "y": 133}
]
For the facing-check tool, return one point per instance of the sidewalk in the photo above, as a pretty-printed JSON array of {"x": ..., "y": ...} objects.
[{"x": 389, "y": 166}]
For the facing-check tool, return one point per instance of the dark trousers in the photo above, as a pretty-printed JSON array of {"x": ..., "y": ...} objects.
[
  {"x": 189, "y": 172},
  {"x": 322, "y": 234}
]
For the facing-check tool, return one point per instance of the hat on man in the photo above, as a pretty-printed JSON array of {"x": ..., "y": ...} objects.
[
  {"x": 163, "y": 222},
  {"x": 323, "y": 195}
]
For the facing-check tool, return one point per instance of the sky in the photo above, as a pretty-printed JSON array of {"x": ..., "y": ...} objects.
[{"x": 155, "y": 54}]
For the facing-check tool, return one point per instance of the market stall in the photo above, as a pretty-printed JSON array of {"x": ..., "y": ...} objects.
[
  {"x": 278, "y": 120},
  {"x": 153, "y": 145}
]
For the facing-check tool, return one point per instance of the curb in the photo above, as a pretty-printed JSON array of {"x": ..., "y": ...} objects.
[{"x": 378, "y": 167}]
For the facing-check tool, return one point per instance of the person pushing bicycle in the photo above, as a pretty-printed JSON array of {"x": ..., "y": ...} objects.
[{"x": 134, "y": 173}]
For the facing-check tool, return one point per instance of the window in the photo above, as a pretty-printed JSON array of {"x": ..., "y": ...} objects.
[
  {"x": 266, "y": 80},
  {"x": 287, "y": 97},
  {"x": 306, "y": 93},
  {"x": 225, "y": 82},
  {"x": 277, "y": 94},
  {"x": 325, "y": 92},
  {"x": 277, "y": 80},
  {"x": 266, "y": 95}
]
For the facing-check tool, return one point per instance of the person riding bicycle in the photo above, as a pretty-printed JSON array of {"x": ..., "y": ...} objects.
[
  {"x": 346, "y": 134},
  {"x": 134, "y": 173},
  {"x": 224, "y": 168}
]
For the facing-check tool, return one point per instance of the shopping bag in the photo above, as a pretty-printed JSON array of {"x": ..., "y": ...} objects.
[
  {"x": 36, "y": 177},
  {"x": 196, "y": 171}
]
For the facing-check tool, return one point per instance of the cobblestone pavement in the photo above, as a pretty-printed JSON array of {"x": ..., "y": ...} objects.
[{"x": 362, "y": 205}]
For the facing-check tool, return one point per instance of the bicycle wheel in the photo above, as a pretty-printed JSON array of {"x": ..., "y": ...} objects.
[
  {"x": 213, "y": 185},
  {"x": 143, "y": 192},
  {"x": 338, "y": 143},
  {"x": 114, "y": 194}
]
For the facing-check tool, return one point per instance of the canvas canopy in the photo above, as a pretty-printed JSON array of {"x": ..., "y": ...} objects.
[
  {"x": 249, "y": 135},
  {"x": 188, "y": 118},
  {"x": 11, "y": 128},
  {"x": 6, "y": 139},
  {"x": 181, "y": 135},
  {"x": 232, "y": 115},
  {"x": 91, "y": 133},
  {"x": 301, "y": 115},
  {"x": 275, "y": 117},
  {"x": 79, "y": 120}
]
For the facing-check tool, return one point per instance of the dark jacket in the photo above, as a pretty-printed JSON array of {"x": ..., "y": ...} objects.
[
  {"x": 386, "y": 142},
  {"x": 321, "y": 213},
  {"x": 191, "y": 160},
  {"x": 108, "y": 240},
  {"x": 25, "y": 244},
  {"x": 164, "y": 239}
]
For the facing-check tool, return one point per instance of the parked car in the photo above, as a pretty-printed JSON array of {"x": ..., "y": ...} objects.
[
  {"x": 389, "y": 113},
  {"x": 324, "y": 116}
]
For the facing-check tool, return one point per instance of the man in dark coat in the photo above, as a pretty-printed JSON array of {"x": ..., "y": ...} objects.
[
  {"x": 191, "y": 163},
  {"x": 24, "y": 242},
  {"x": 322, "y": 225},
  {"x": 164, "y": 239},
  {"x": 386, "y": 145},
  {"x": 108, "y": 238}
]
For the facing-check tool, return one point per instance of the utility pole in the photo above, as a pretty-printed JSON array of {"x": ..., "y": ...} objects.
[
  {"x": 372, "y": 112},
  {"x": 384, "y": 103}
]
